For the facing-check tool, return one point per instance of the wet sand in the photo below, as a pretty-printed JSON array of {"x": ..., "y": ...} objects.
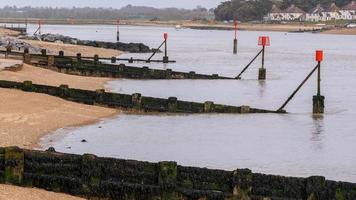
[
  {"x": 18, "y": 193},
  {"x": 26, "y": 117}
]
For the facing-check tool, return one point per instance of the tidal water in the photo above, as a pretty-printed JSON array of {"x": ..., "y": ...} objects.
[{"x": 294, "y": 144}]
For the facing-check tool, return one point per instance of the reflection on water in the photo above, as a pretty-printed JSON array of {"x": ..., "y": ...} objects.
[
  {"x": 318, "y": 125},
  {"x": 317, "y": 134},
  {"x": 262, "y": 88},
  {"x": 294, "y": 144}
]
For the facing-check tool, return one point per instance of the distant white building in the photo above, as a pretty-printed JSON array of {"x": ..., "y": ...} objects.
[
  {"x": 292, "y": 13},
  {"x": 333, "y": 12},
  {"x": 349, "y": 11},
  {"x": 275, "y": 14},
  {"x": 315, "y": 15}
]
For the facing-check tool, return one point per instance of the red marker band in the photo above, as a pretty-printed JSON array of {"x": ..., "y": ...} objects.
[{"x": 319, "y": 55}]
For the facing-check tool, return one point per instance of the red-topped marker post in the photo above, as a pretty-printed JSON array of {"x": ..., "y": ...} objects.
[
  {"x": 39, "y": 27},
  {"x": 235, "y": 38},
  {"x": 318, "y": 100},
  {"x": 263, "y": 41},
  {"x": 165, "y": 58},
  {"x": 118, "y": 30}
]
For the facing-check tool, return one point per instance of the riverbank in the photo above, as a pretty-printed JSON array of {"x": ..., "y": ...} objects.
[{"x": 198, "y": 24}]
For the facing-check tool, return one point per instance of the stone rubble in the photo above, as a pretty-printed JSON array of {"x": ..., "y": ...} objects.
[
  {"x": 126, "y": 47},
  {"x": 18, "y": 45}
]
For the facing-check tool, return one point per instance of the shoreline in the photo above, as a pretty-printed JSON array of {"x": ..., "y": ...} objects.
[
  {"x": 197, "y": 24},
  {"x": 22, "y": 113},
  {"x": 41, "y": 141}
]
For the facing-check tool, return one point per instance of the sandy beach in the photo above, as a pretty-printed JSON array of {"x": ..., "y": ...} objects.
[
  {"x": 18, "y": 193},
  {"x": 7, "y": 32},
  {"x": 48, "y": 77},
  {"x": 26, "y": 117}
]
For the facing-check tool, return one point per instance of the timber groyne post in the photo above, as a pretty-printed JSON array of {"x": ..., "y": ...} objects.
[
  {"x": 318, "y": 99},
  {"x": 235, "y": 38},
  {"x": 263, "y": 41},
  {"x": 118, "y": 30},
  {"x": 165, "y": 58}
]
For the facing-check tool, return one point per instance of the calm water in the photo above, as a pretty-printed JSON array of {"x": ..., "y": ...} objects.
[{"x": 296, "y": 144}]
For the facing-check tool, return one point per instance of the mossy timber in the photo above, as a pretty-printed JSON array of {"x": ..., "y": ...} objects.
[
  {"x": 130, "y": 102},
  {"x": 94, "y": 177},
  {"x": 85, "y": 66}
]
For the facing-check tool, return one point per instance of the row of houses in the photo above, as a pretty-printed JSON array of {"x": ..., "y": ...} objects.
[{"x": 293, "y": 13}]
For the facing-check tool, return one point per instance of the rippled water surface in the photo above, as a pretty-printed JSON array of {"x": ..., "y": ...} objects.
[{"x": 295, "y": 144}]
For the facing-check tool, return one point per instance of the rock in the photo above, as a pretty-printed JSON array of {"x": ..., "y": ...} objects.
[
  {"x": 51, "y": 149},
  {"x": 127, "y": 47},
  {"x": 84, "y": 141},
  {"x": 18, "y": 44}
]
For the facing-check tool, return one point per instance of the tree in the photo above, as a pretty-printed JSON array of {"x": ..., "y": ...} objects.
[{"x": 243, "y": 10}]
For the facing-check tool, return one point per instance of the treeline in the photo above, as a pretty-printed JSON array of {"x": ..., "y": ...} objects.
[
  {"x": 127, "y": 12},
  {"x": 249, "y": 10}
]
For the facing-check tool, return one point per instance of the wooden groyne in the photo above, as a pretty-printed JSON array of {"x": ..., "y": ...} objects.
[
  {"x": 93, "y": 67},
  {"x": 94, "y": 177},
  {"x": 134, "y": 101}
]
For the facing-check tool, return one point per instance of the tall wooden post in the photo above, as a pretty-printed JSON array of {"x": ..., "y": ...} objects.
[
  {"x": 39, "y": 27},
  {"x": 263, "y": 57},
  {"x": 165, "y": 58},
  {"x": 263, "y": 41},
  {"x": 235, "y": 38},
  {"x": 118, "y": 30},
  {"x": 318, "y": 100}
]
